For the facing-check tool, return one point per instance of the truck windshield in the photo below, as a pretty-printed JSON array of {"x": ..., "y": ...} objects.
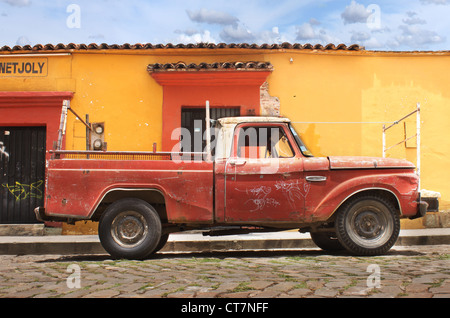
[{"x": 300, "y": 143}]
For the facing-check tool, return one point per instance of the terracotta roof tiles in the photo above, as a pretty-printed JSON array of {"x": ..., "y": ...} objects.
[
  {"x": 181, "y": 66},
  {"x": 149, "y": 46}
]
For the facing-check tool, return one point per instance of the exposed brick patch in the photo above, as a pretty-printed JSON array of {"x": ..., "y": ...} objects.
[{"x": 270, "y": 105}]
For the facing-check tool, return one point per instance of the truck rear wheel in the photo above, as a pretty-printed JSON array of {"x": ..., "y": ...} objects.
[
  {"x": 130, "y": 228},
  {"x": 368, "y": 225}
]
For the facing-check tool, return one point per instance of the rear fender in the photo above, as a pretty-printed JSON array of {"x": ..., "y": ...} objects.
[{"x": 153, "y": 196}]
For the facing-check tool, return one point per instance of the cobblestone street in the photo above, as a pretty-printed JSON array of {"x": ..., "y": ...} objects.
[{"x": 416, "y": 271}]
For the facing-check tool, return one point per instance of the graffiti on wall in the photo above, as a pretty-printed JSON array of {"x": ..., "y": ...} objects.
[{"x": 23, "y": 191}]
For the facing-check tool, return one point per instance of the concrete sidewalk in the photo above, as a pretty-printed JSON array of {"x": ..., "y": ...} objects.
[{"x": 196, "y": 242}]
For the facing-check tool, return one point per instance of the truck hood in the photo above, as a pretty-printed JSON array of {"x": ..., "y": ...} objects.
[{"x": 338, "y": 162}]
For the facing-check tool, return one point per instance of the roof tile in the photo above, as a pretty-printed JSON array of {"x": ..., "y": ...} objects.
[
  {"x": 181, "y": 66},
  {"x": 149, "y": 46}
]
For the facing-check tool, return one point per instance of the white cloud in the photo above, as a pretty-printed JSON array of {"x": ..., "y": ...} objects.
[
  {"x": 310, "y": 32},
  {"x": 373, "y": 44},
  {"x": 212, "y": 17},
  {"x": 197, "y": 37},
  {"x": 97, "y": 37},
  {"x": 358, "y": 37},
  {"x": 418, "y": 24},
  {"x": 414, "y": 20},
  {"x": 23, "y": 40},
  {"x": 355, "y": 13},
  {"x": 236, "y": 33},
  {"x": 366, "y": 39},
  {"x": 272, "y": 36},
  {"x": 189, "y": 31},
  {"x": 416, "y": 37},
  {"x": 306, "y": 32},
  {"x": 18, "y": 3},
  {"x": 442, "y": 2},
  {"x": 313, "y": 21},
  {"x": 232, "y": 31}
]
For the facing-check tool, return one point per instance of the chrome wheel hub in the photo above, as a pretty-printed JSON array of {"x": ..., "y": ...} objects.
[
  {"x": 369, "y": 226},
  {"x": 129, "y": 229}
]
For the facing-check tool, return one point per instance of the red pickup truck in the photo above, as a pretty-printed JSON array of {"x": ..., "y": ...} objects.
[{"x": 261, "y": 177}]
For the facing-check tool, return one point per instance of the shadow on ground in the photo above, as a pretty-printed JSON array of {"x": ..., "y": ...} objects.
[{"x": 232, "y": 254}]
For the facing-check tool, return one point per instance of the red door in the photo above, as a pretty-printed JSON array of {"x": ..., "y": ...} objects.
[{"x": 264, "y": 176}]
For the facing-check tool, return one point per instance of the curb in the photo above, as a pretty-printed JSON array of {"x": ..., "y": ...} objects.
[{"x": 185, "y": 243}]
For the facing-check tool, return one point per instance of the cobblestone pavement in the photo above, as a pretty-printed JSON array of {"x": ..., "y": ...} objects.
[{"x": 415, "y": 271}]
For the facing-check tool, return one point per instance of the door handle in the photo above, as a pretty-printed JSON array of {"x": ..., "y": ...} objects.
[
  {"x": 237, "y": 162},
  {"x": 316, "y": 178}
]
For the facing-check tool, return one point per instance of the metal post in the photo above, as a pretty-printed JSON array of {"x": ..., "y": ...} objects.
[
  {"x": 88, "y": 134},
  {"x": 208, "y": 133},
  {"x": 384, "y": 141},
  {"x": 418, "y": 141}
]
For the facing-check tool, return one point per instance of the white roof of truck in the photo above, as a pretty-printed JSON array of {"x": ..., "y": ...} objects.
[{"x": 252, "y": 119}]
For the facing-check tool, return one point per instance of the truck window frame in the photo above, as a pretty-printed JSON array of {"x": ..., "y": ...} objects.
[
  {"x": 283, "y": 126},
  {"x": 299, "y": 142}
]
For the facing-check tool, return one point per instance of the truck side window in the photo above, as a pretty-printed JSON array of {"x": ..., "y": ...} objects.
[{"x": 263, "y": 142}]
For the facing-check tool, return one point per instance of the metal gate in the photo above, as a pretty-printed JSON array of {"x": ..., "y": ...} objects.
[
  {"x": 22, "y": 173},
  {"x": 193, "y": 119}
]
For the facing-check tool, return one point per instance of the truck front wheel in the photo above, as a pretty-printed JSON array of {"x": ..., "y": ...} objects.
[
  {"x": 130, "y": 228},
  {"x": 367, "y": 225}
]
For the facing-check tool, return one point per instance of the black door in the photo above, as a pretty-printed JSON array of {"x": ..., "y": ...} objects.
[
  {"x": 193, "y": 119},
  {"x": 22, "y": 173}
]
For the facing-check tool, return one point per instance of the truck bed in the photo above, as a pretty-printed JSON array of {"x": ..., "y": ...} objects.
[{"x": 78, "y": 181}]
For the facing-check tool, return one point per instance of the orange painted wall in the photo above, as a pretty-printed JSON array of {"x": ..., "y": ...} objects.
[
  {"x": 312, "y": 86},
  {"x": 221, "y": 89}
]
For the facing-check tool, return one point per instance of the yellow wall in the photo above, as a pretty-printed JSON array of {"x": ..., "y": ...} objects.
[
  {"x": 58, "y": 77},
  {"x": 116, "y": 90},
  {"x": 369, "y": 87},
  {"x": 114, "y": 87}
]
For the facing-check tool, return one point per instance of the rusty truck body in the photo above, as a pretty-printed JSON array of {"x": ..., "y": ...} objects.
[{"x": 261, "y": 177}]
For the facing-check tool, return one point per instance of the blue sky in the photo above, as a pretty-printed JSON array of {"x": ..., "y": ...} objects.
[{"x": 378, "y": 25}]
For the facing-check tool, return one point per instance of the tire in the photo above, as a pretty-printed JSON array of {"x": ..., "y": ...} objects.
[
  {"x": 326, "y": 241},
  {"x": 162, "y": 242},
  {"x": 368, "y": 225},
  {"x": 130, "y": 228}
]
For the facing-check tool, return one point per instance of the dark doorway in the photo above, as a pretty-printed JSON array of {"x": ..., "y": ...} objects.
[
  {"x": 193, "y": 119},
  {"x": 22, "y": 173}
]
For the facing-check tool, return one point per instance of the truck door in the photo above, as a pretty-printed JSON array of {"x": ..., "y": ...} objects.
[{"x": 264, "y": 176}]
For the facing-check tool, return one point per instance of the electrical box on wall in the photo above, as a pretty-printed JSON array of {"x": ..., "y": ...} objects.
[{"x": 98, "y": 136}]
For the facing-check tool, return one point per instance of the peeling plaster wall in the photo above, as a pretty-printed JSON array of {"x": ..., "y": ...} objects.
[{"x": 270, "y": 105}]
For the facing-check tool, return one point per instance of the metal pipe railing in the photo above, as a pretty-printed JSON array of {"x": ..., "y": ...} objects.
[{"x": 417, "y": 135}]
